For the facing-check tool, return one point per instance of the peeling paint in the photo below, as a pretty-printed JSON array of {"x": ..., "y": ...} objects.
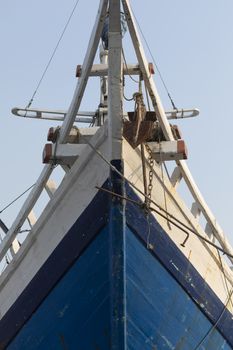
[
  {"x": 62, "y": 312},
  {"x": 174, "y": 265},
  {"x": 169, "y": 344}
]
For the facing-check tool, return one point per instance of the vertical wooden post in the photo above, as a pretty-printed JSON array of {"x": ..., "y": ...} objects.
[
  {"x": 117, "y": 217},
  {"x": 115, "y": 111}
]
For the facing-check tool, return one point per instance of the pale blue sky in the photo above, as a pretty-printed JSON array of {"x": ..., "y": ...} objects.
[{"x": 192, "y": 42}]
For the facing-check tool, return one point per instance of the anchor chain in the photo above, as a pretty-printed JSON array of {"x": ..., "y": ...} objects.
[{"x": 150, "y": 175}]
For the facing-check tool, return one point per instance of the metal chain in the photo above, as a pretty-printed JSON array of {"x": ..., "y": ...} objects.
[{"x": 151, "y": 166}]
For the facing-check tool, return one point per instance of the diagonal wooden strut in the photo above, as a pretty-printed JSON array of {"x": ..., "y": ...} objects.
[
  {"x": 86, "y": 68},
  {"x": 65, "y": 129}
]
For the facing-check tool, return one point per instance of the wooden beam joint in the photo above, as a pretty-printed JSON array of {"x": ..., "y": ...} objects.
[{"x": 168, "y": 150}]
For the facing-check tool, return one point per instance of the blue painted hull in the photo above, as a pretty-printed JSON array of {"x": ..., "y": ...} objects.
[
  {"x": 76, "y": 313},
  {"x": 111, "y": 292}
]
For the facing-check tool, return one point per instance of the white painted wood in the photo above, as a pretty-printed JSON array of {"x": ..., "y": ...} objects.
[
  {"x": 85, "y": 134},
  {"x": 3, "y": 227},
  {"x": 15, "y": 246},
  {"x": 101, "y": 70},
  {"x": 115, "y": 94},
  {"x": 103, "y": 54},
  {"x": 73, "y": 136},
  {"x": 208, "y": 230},
  {"x": 69, "y": 201},
  {"x": 195, "y": 210},
  {"x": 145, "y": 72},
  {"x": 82, "y": 82},
  {"x": 167, "y": 150},
  {"x": 50, "y": 187},
  {"x": 25, "y": 210},
  {"x": 66, "y": 168},
  {"x": 65, "y": 154},
  {"x": 76, "y": 135},
  {"x": 176, "y": 177},
  {"x": 217, "y": 230},
  {"x": 31, "y": 218}
]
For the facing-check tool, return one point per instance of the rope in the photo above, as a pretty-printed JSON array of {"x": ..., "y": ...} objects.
[
  {"x": 51, "y": 58},
  {"x": 216, "y": 323},
  {"x": 126, "y": 66},
  {"x": 184, "y": 229},
  {"x": 128, "y": 99},
  {"x": 167, "y": 172},
  {"x": 134, "y": 80},
  {"x": 156, "y": 65},
  {"x": 160, "y": 208},
  {"x": 14, "y": 200},
  {"x": 224, "y": 275}
]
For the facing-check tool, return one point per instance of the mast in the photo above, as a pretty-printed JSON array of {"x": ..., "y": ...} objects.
[
  {"x": 117, "y": 212},
  {"x": 115, "y": 112}
]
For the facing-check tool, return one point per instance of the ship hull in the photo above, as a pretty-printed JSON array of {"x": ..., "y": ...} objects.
[{"x": 117, "y": 281}]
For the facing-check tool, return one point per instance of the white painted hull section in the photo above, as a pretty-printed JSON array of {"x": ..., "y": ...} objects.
[
  {"x": 70, "y": 200},
  {"x": 67, "y": 204}
]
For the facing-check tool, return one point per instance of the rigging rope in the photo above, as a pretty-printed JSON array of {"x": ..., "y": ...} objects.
[
  {"x": 14, "y": 200},
  {"x": 134, "y": 80},
  {"x": 216, "y": 323},
  {"x": 126, "y": 66},
  {"x": 185, "y": 228},
  {"x": 156, "y": 65},
  {"x": 53, "y": 54},
  {"x": 225, "y": 277}
]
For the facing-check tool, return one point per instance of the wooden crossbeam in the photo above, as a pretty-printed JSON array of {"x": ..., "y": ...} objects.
[
  {"x": 168, "y": 150},
  {"x": 65, "y": 154},
  {"x": 176, "y": 177},
  {"x": 51, "y": 187},
  {"x": 195, "y": 210},
  {"x": 101, "y": 70},
  {"x": 31, "y": 218}
]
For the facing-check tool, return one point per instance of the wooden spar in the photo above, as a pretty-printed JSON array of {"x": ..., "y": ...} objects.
[
  {"x": 217, "y": 230},
  {"x": 101, "y": 70},
  {"x": 3, "y": 227},
  {"x": 82, "y": 82},
  {"x": 176, "y": 177},
  {"x": 25, "y": 210},
  {"x": 145, "y": 72},
  {"x": 117, "y": 217}
]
